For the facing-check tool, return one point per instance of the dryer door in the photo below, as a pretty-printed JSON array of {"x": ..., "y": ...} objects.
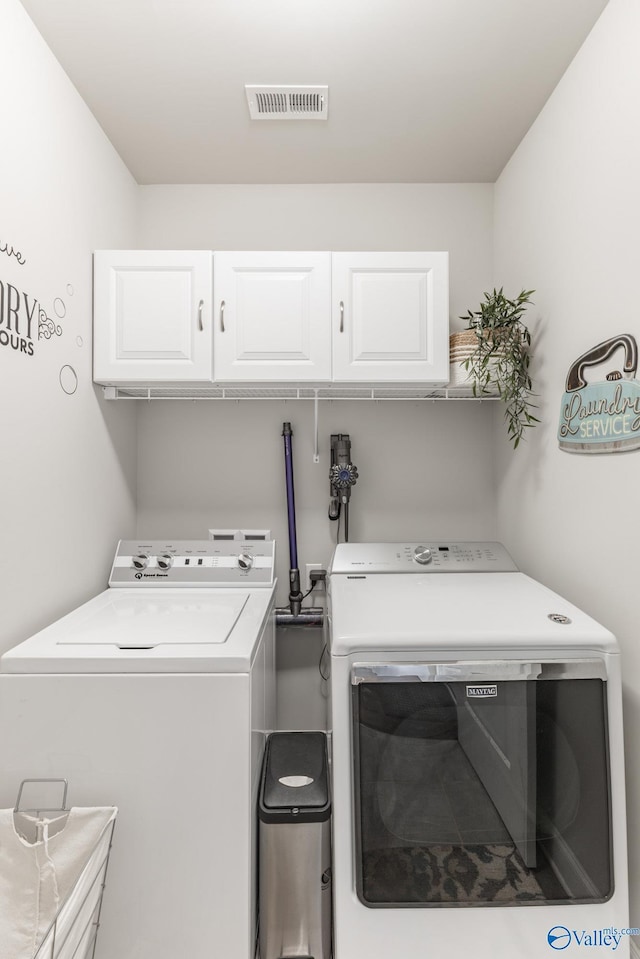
[{"x": 480, "y": 783}]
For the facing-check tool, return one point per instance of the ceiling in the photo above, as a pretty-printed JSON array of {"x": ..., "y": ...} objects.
[{"x": 419, "y": 90}]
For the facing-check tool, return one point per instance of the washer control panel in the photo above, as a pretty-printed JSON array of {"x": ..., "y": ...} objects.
[
  {"x": 429, "y": 556},
  {"x": 193, "y": 562}
]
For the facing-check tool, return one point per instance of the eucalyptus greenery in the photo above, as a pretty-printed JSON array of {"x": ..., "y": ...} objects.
[{"x": 501, "y": 359}]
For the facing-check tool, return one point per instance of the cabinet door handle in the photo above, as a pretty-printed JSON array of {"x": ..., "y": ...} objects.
[
  {"x": 200, "y": 308},
  {"x": 341, "y": 316},
  {"x": 222, "y": 316}
]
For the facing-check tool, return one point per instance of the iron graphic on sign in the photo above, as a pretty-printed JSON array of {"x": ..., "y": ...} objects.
[{"x": 600, "y": 410}]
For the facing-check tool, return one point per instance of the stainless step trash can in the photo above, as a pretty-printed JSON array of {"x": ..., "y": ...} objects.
[{"x": 295, "y": 848}]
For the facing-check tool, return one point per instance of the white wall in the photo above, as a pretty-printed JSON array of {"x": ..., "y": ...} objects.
[
  {"x": 204, "y": 464},
  {"x": 566, "y": 222},
  {"x": 68, "y": 464},
  {"x": 426, "y": 469}
]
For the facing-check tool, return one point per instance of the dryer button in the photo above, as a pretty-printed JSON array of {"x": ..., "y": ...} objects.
[{"x": 422, "y": 555}]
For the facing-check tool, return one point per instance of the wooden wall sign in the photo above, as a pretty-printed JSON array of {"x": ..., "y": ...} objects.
[{"x": 600, "y": 410}]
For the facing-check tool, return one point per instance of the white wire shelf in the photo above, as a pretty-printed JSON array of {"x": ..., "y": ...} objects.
[{"x": 294, "y": 392}]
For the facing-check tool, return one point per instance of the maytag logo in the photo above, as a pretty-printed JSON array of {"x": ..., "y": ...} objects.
[{"x": 485, "y": 691}]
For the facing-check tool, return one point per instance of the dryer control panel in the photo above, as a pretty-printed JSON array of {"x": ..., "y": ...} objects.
[
  {"x": 193, "y": 562},
  {"x": 428, "y": 556}
]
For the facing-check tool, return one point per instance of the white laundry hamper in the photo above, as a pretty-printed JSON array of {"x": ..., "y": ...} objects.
[{"x": 53, "y": 865}]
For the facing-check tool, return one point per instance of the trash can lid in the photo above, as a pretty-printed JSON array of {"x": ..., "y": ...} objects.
[{"x": 295, "y": 778}]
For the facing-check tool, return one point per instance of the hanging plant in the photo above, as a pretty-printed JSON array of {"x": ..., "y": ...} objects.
[{"x": 500, "y": 361}]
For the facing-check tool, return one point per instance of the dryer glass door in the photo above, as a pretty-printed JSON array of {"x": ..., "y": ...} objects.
[{"x": 480, "y": 784}]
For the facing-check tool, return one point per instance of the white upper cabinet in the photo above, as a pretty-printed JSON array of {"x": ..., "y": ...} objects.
[
  {"x": 197, "y": 318},
  {"x": 152, "y": 316},
  {"x": 390, "y": 317},
  {"x": 271, "y": 318}
]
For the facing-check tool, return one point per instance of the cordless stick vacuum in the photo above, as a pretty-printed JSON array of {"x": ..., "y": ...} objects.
[
  {"x": 342, "y": 476},
  {"x": 295, "y": 596}
]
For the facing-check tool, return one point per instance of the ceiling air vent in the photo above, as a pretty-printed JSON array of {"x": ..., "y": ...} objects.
[{"x": 288, "y": 102}]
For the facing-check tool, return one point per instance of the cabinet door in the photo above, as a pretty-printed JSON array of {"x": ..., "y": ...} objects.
[
  {"x": 272, "y": 316},
  {"x": 391, "y": 317},
  {"x": 152, "y": 316}
]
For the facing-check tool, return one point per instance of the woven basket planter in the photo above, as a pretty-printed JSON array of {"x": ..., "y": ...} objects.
[
  {"x": 464, "y": 338},
  {"x": 461, "y": 346}
]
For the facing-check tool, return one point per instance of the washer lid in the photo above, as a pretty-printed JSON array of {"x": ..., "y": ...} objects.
[
  {"x": 142, "y": 631},
  {"x": 130, "y": 619},
  {"x": 386, "y": 612}
]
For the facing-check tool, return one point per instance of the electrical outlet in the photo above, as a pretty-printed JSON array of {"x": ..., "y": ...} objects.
[{"x": 307, "y": 576}]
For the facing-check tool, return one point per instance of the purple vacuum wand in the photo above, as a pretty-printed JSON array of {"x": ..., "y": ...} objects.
[{"x": 295, "y": 596}]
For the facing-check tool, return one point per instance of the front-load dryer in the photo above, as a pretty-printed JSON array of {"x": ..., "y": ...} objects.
[
  {"x": 478, "y": 778},
  {"x": 155, "y": 696}
]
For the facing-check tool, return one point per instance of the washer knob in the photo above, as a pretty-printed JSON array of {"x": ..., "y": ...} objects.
[
  {"x": 141, "y": 561},
  {"x": 422, "y": 555},
  {"x": 165, "y": 561},
  {"x": 245, "y": 561}
]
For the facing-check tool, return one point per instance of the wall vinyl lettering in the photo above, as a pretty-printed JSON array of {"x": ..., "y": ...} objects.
[
  {"x": 24, "y": 321},
  {"x": 68, "y": 379},
  {"x": 9, "y": 250},
  {"x": 47, "y": 327},
  {"x": 600, "y": 411}
]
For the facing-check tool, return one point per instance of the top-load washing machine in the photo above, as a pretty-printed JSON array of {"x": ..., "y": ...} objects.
[
  {"x": 155, "y": 696},
  {"x": 478, "y": 782}
]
